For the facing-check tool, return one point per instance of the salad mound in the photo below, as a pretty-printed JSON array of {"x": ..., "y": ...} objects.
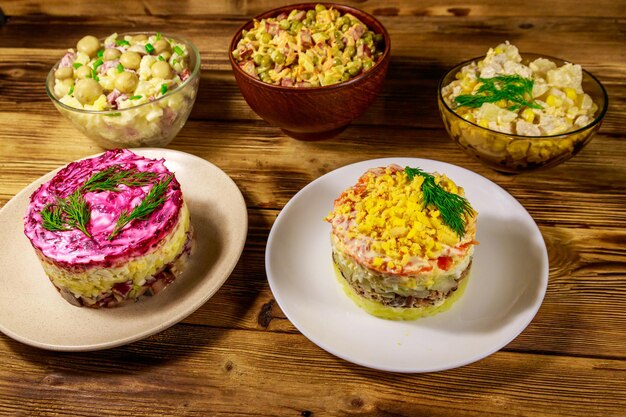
[
  {"x": 504, "y": 94},
  {"x": 308, "y": 48}
]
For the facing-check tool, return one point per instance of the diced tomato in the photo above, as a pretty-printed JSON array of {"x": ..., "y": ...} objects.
[{"x": 444, "y": 262}]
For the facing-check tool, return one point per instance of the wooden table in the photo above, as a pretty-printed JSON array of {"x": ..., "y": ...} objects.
[{"x": 238, "y": 354}]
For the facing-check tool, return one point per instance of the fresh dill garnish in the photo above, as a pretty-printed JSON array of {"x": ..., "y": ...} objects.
[
  {"x": 451, "y": 206},
  {"x": 52, "y": 218},
  {"x": 513, "y": 88},
  {"x": 115, "y": 175},
  {"x": 77, "y": 211},
  {"x": 152, "y": 201},
  {"x": 73, "y": 211}
]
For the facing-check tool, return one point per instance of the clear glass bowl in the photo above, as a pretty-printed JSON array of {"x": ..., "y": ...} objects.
[
  {"x": 152, "y": 124},
  {"x": 514, "y": 154}
]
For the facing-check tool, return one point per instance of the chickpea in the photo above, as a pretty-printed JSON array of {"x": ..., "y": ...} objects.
[
  {"x": 161, "y": 69},
  {"x": 83, "y": 72},
  {"x": 64, "y": 72},
  {"x": 126, "y": 82},
  {"x": 130, "y": 60},
  {"x": 139, "y": 38},
  {"x": 89, "y": 45},
  {"x": 87, "y": 90},
  {"x": 162, "y": 46},
  {"x": 110, "y": 54}
]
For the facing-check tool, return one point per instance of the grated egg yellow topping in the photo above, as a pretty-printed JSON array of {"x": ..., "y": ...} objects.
[{"x": 388, "y": 209}]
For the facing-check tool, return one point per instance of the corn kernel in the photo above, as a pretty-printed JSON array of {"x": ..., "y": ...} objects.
[
  {"x": 554, "y": 101},
  {"x": 458, "y": 75},
  {"x": 528, "y": 115},
  {"x": 498, "y": 50},
  {"x": 571, "y": 93}
]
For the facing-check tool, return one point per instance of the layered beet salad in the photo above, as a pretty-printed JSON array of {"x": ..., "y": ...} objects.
[{"x": 110, "y": 229}]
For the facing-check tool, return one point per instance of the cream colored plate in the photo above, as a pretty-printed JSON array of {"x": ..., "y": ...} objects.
[{"x": 32, "y": 312}]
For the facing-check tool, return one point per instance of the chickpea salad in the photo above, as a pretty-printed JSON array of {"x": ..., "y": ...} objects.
[
  {"x": 120, "y": 72},
  {"x": 308, "y": 48},
  {"x": 502, "y": 94}
]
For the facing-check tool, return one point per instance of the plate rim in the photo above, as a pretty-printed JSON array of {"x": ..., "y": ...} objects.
[
  {"x": 175, "y": 318},
  {"x": 386, "y": 161}
]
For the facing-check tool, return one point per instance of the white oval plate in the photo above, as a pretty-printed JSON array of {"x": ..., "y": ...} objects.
[
  {"x": 32, "y": 311},
  {"x": 506, "y": 286}
]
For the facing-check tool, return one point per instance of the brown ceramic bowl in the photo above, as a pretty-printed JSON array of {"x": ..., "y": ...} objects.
[{"x": 313, "y": 113}]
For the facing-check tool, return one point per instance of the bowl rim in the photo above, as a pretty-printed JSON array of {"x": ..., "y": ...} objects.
[
  {"x": 307, "y": 6},
  {"x": 194, "y": 74},
  {"x": 595, "y": 121}
]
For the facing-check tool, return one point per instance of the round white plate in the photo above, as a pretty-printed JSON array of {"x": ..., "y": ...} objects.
[
  {"x": 506, "y": 286},
  {"x": 33, "y": 312}
]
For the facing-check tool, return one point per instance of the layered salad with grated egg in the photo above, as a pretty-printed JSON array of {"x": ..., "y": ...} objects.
[
  {"x": 402, "y": 242},
  {"x": 110, "y": 229}
]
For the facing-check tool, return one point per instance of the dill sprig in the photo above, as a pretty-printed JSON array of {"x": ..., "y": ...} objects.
[
  {"x": 152, "y": 201},
  {"x": 68, "y": 213},
  {"x": 451, "y": 206},
  {"x": 514, "y": 88},
  {"x": 73, "y": 211},
  {"x": 52, "y": 218},
  {"x": 110, "y": 178}
]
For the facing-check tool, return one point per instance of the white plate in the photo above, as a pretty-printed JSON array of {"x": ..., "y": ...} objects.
[
  {"x": 32, "y": 311},
  {"x": 506, "y": 287}
]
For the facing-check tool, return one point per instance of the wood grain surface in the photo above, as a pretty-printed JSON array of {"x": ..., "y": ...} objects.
[{"x": 238, "y": 354}]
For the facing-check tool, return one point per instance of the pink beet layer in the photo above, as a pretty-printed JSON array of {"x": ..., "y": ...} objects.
[{"x": 72, "y": 248}]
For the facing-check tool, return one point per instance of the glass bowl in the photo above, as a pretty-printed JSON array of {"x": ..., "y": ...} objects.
[
  {"x": 513, "y": 154},
  {"x": 152, "y": 124}
]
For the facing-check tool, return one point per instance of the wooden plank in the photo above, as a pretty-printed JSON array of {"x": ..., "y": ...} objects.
[
  {"x": 199, "y": 370},
  {"x": 456, "y": 8}
]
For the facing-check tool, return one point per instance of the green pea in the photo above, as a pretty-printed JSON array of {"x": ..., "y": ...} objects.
[
  {"x": 350, "y": 51},
  {"x": 345, "y": 27},
  {"x": 368, "y": 37},
  {"x": 367, "y": 64},
  {"x": 308, "y": 22},
  {"x": 266, "y": 38},
  {"x": 335, "y": 51},
  {"x": 360, "y": 42},
  {"x": 373, "y": 49},
  {"x": 354, "y": 67},
  {"x": 284, "y": 24},
  {"x": 320, "y": 8},
  {"x": 266, "y": 61},
  {"x": 337, "y": 62},
  {"x": 257, "y": 58},
  {"x": 250, "y": 35},
  {"x": 345, "y": 76},
  {"x": 310, "y": 14},
  {"x": 341, "y": 21},
  {"x": 337, "y": 35},
  {"x": 279, "y": 58},
  {"x": 339, "y": 44}
]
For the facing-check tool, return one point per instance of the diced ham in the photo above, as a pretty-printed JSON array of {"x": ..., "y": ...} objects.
[
  {"x": 271, "y": 27},
  {"x": 356, "y": 31},
  {"x": 287, "y": 82},
  {"x": 108, "y": 65},
  {"x": 112, "y": 98},
  {"x": 248, "y": 67},
  {"x": 281, "y": 16},
  {"x": 305, "y": 38},
  {"x": 245, "y": 51},
  {"x": 185, "y": 74},
  {"x": 169, "y": 116},
  {"x": 300, "y": 15},
  {"x": 67, "y": 60}
]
